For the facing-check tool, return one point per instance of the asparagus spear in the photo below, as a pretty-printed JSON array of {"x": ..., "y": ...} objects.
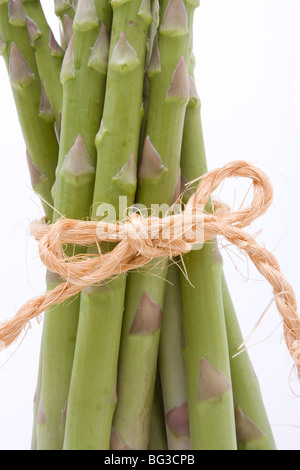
[
  {"x": 83, "y": 76},
  {"x": 158, "y": 178},
  {"x": 48, "y": 56},
  {"x": 92, "y": 396},
  {"x": 171, "y": 365},
  {"x": 39, "y": 135},
  {"x": 210, "y": 400},
  {"x": 158, "y": 437},
  {"x": 253, "y": 428}
]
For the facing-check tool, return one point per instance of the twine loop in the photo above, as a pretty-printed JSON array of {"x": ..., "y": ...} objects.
[{"x": 141, "y": 239}]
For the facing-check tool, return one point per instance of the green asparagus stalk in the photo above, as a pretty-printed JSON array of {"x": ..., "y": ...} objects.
[
  {"x": 48, "y": 56},
  {"x": 157, "y": 181},
  {"x": 39, "y": 135},
  {"x": 172, "y": 367},
  {"x": 252, "y": 429},
  {"x": 210, "y": 400},
  {"x": 252, "y": 425},
  {"x": 83, "y": 76},
  {"x": 158, "y": 437},
  {"x": 92, "y": 397}
]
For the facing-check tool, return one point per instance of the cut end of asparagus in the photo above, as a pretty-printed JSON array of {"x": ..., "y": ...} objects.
[
  {"x": 151, "y": 167},
  {"x": 148, "y": 317},
  {"x": 77, "y": 165},
  {"x": 154, "y": 66},
  {"x": 126, "y": 178},
  {"x": 33, "y": 30},
  {"x": 179, "y": 90},
  {"x": 46, "y": 112},
  {"x": 19, "y": 71},
  {"x": 68, "y": 67},
  {"x": 246, "y": 430},
  {"x": 124, "y": 58},
  {"x": 86, "y": 17},
  {"x": 145, "y": 11},
  {"x": 61, "y": 5},
  {"x": 177, "y": 421},
  {"x": 175, "y": 21},
  {"x": 16, "y": 13},
  {"x": 212, "y": 383},
  {"x": 99, "y": 53},
  {"x": 55, "y": 49},
  {"x": 2, "y": 45},
  {"x": 116, "y": 442}
]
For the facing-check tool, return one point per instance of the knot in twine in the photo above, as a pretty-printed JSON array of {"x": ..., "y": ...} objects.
[{"x": 142, "y": 239}]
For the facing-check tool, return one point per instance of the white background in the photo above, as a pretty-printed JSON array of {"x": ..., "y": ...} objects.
[{"x": 248, "y": 77}]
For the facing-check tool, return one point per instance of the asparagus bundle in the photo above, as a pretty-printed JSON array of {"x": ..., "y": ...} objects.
[{"x": 146, "y": 360}]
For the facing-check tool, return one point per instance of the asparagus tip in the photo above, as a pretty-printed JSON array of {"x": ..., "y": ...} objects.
[
  {"x": 148, "y": 317},
  {"x": 212, "y": 383},
  {"x": 175, "y": 21},
  {"x": 124, "y": 58},
  {"x": 19, "y": 71},
  {"x": 86, "y": 17},
  {"x": 151, "y": 166},
  {"x": 16, "y": 13}
]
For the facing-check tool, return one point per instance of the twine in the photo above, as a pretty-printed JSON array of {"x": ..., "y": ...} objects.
[{"x": 141, "y": 239}]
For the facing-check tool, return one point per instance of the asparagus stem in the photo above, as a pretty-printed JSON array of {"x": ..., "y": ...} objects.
[
  {"x": 158, "y": 177},
  {"x": 253, "y": 428},
  {"x": 171, "y": 365},
  {"x": 39, "y": 134},
  {"x": 158, "y": 438},
  {"x": 83, "y": 82},
  {"x": 210, "y": 400},
  {"x": 48, "y": 56},
  {"x": 92, "y": 396}
]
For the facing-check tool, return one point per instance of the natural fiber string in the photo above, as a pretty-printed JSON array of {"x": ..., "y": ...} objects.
[{"x": 143, "y": 239}]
